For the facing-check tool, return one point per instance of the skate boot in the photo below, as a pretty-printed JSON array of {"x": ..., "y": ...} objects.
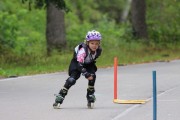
[
  {"x": 59, "y": 98},
  {"x": 90, "y": 97}
]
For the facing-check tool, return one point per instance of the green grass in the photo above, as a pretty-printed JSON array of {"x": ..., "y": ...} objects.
[
  {"x": 127, "y": 53},
  {"x": 36, "y": 65},
  {"x": 142, "y": 55}
]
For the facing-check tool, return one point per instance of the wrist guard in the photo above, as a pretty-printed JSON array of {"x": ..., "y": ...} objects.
[{"x": 85, "y": 73}]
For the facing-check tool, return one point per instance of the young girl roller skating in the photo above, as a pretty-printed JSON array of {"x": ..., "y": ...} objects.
[{"x": 83, "y": 62}]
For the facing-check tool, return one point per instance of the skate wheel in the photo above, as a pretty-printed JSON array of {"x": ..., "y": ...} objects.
[
  {"x": 56, "y": 105},
  {"x": 90, "y": 105}
]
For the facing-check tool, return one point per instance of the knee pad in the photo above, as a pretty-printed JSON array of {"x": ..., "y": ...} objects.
[{"x": 71, "y": 81}]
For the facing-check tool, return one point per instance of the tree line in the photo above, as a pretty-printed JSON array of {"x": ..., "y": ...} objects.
[
  {"x": 55, "y": 26},
  {"x": 150, "y": 20}
]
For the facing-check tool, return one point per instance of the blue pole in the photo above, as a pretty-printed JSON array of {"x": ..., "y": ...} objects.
[{"x": 154, "y": 97}]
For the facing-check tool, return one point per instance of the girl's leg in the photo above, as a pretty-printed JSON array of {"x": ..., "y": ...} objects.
[
  {"x": 74, "y": 75},
  {"x": 90, "y": 90},
  {"x": 91, "y": 83},
  {"x": 69, "y": 82}
]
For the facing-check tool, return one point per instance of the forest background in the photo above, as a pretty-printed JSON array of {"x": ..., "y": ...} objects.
[{"x": 23, "y": 46}]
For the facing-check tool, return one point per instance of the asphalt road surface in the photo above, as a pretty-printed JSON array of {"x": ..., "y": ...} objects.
[{"x": 32, "y": 97}]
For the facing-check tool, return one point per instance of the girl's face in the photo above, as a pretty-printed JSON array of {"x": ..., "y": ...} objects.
[{"x": 94, "y": 44}]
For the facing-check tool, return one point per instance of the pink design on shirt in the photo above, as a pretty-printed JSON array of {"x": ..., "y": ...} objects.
[{"x": 81, "y": 55}]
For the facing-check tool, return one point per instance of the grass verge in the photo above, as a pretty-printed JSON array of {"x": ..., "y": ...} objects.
[{"x": 127, "y": 53}]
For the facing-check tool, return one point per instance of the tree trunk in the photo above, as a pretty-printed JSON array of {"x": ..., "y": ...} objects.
[
  {"x": 138, "y": 18},
  {"x": 55, "y": 29}
]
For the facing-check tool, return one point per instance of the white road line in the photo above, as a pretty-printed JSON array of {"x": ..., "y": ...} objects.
[
  {"x": 137, "y": 105},
  {"x": 125, "y": 112}
]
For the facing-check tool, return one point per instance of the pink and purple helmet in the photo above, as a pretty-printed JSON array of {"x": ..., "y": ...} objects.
[{"x": 93, "y": 35}]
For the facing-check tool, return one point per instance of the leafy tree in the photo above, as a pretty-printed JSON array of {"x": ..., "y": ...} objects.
[
  {"x": 86, "y": 10},
  {"x": 118, "y": 10},
  {"x": 163, "y": 21},
  {"x": 112, "y": 8},
  {"x": 55, "y": 28}
]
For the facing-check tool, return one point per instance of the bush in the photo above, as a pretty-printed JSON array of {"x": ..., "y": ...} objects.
[
  {"x": 8, "y": 35},
  {"x": 163, "y": 21}
]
